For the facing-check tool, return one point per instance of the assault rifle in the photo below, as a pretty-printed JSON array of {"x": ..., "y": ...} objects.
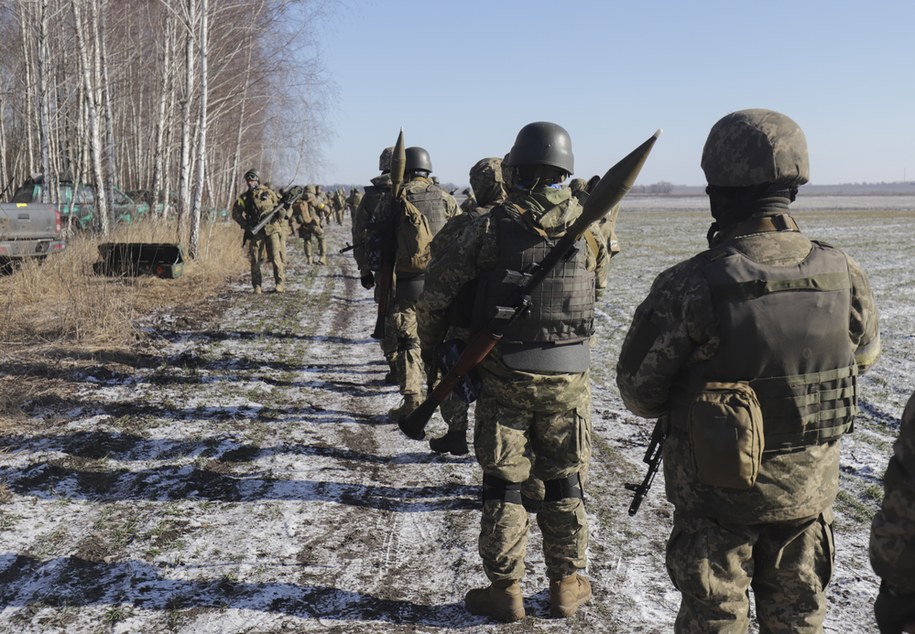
[
  {"x": 350, "y": 247},
  {"x": 615, "y": 184},
  {"x": 289, "y": 197},
  {"x": 653, "y": 459},
  {"x": 385, "y": 277}
]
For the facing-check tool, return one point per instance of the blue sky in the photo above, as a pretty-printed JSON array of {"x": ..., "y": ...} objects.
[{"x": 462, "y": 78}]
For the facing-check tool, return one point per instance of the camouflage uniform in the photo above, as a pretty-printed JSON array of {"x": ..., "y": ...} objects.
[
  {"x": 353, "y": 200},
  {"x": 469, "y": 204},
  {"x": 721, "y": 318},
  {"x": 520, "y": 414},
  {"x": 892, "y": 547},
  {"x": 607, "y": 224},
  {"x": 270, "y": 243},
  {"x": 485, "y": 178},
  {"x": 310, "y": 228}
]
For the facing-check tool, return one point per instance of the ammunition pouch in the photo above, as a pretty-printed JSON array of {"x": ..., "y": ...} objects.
[
  {"x": 564, "y": 488},
  {"x": 726, "y": 436},
  {"x": 497, "y": 489}
]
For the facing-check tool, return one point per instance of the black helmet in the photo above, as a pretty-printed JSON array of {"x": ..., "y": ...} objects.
[
  {"x": 755, "y": 147},
  {"x": 384, "y": 161},
  {"x": 418, "y": 160},
  {"x": 252, "y": 175},
  {"x": 543, "y": 143}
]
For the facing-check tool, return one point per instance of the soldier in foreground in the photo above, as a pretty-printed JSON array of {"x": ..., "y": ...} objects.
[
  {"x": 748, "y": 353},
  {"x": 892, "y": 547},
  {"x": 535, "y": 394},
  {"x": 486, "y": 179},
  {"x": 270, "y": 242}
]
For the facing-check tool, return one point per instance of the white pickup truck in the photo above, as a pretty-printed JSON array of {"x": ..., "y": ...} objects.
[{"x": 28, "y": 230}]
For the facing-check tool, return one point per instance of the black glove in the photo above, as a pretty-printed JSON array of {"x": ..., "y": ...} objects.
[
  {"x": 893, "y": 611},
  {"x": 367, "y": 280}
]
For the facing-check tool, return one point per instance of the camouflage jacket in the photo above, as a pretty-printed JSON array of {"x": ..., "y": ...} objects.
[
  {"x": 892, "y": 544},
  {"x": 475, "y": 251},
  {"x": 254, "y": 204},
  {"x": 675, "y": 327}
]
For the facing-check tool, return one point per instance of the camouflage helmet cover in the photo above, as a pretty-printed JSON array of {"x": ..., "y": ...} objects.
[
  {"x": 543, "y": 143},
  {"x": 384, "y": 161},
  {"x": 487, "y": 181},
  {"x": 577, "y": 185},
  {"x": 252, "y": 175},
  {"x": 755, "y": 147}
]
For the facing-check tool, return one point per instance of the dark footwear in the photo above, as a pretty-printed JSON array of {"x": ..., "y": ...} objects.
[
  {"x": 502, "y": 601},
  {"x": 569, "y": 594},
  {"x": 406, "y": 407},
  {"x": 454, "y": 443}
]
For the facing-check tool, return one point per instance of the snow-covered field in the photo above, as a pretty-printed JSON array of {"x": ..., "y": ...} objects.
[{"x": 242, "y": 477}]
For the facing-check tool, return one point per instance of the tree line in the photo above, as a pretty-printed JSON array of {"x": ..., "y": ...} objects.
[{"x": 175, "y": 97}]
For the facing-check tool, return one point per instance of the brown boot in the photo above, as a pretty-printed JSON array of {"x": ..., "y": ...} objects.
[
  {"x": 407, "y": 405},
  {"x": 258, "y": 290},
  {"x": 280, "y": 288},
  {"x": 453, "y": 442},
  {"x": 569, "y": 594},
  {"x": 502, "y": 601}
]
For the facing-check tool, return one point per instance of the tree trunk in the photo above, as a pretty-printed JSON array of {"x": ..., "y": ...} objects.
[{"x": 199, "y": 178}]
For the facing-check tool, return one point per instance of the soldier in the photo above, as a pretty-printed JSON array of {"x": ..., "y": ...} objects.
[
  {"x": 436, "y": 206},
  {"x": 364, "y": 255},
  {"x": 270, "y": 242},
  {"x": 485, "y": 178},
  {"x": 339, "y": 200},
  {"x": 892, "y": 547},
  {"x": 607, "y": 224},
  {"x": 310, "y": 226},
  {"x": 353, "y": 200},
  {"x": 535, "y": 397},
  {"x": 748, "y": 352}
]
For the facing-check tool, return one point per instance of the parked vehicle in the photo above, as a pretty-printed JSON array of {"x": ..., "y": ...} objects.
[
  {"x": 78, "y": 209},
  {"x": 28, "y": 230}
]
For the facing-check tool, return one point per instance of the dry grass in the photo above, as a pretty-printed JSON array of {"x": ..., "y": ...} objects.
[{"x": 57, "y": 311}]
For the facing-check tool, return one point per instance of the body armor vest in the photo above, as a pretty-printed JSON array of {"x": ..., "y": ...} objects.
[
  {"x": 431, "y": 203},
  {"x": 785, "y": 330},
  {"x": 553, "y": 334}
]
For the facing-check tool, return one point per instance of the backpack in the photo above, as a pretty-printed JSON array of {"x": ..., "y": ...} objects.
[{"x": 413, "y": 239}]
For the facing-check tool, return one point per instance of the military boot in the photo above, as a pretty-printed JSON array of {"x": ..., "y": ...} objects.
[
  {"x": 454, "y": 442},
  {"x": 569, "y": 594},
  {"x": 409, "y": 403},
  {"x": 502, "y": 601},
  {"x": 280, "y": 288},
  {"x": 258, "y": 290},
  {"x": 322, "y": 259}
]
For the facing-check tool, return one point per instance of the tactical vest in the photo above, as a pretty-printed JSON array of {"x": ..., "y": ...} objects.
[
  {"x": 431, "y": 202},
  {"x": 785, "y": 330},
  {"x": 553, "y": 336},
  {"x": 372, "y": 246}
]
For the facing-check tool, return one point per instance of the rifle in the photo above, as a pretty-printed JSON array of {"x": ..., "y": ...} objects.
[
  {"x": 615, "y": 184},
  {"x": 350, "y": 247},
  {"x": 289, "y": 197},
  {"x": 385, "y": 277},
  {"x": 653, "y": 459}
]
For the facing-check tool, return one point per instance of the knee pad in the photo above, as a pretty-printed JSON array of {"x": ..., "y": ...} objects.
[
  {"x": 501, "y": 490},
  {"x": 563, "y": 488}
]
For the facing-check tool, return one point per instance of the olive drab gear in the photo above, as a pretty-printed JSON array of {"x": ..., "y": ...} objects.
[
  {"x": 562, "y": 306},
  {"x": 430, "y": 202},
  {"x": 755, "y": 147},
  {"x": 418, "y": 160},
  {"x": 543, "y": 143},
  {"x": 384, "y": 161}
]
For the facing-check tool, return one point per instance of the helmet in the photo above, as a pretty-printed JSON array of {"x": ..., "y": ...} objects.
[
  {"x": 252, "y": 175},
  {"x": 755, "y": 147},
  {"x": 309, "y": 189},
  {"x": 543, "y": 143},
  {"x": 418, "y": 159},
  {"x": 384, "y": 161}
]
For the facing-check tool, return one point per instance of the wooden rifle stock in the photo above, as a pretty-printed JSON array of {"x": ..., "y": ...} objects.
[
  {"x": 385, "y": 279},
  {"x": 414, "y": 424}
]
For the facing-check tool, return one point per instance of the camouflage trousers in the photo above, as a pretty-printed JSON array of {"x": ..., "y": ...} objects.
[
  {"x": 510, "y": 444},
  {"x": 454, "y": 411},
  {"x": 411, "y": 375},
  {"x": 270, "y": 248},
  {"x": 311, "y": 232},
  {"x": 788, "y": 565}
]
